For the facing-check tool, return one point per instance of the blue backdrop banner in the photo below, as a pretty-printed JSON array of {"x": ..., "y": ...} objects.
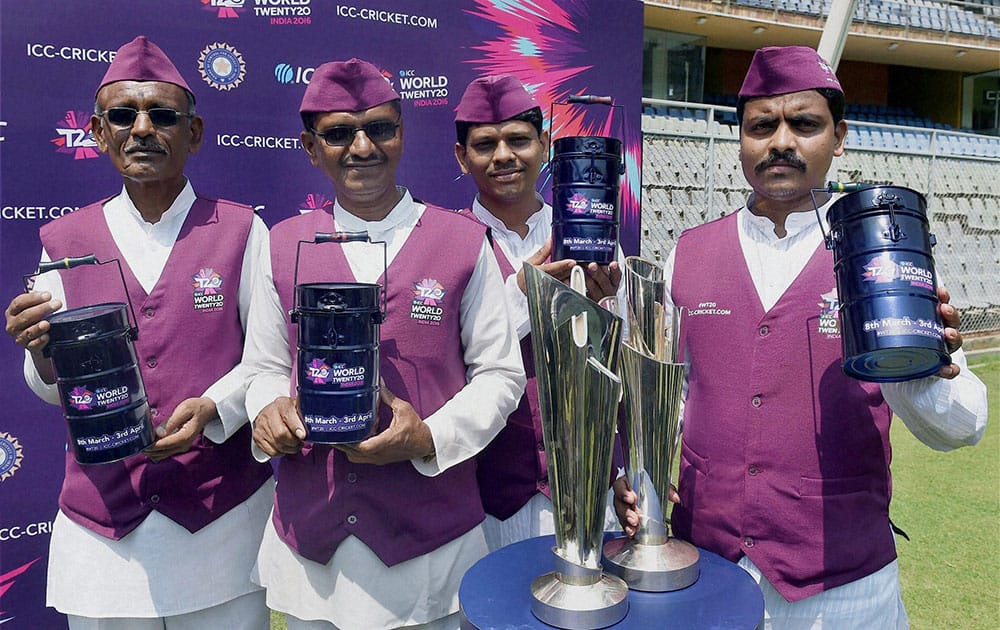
[{"x": 248, "y": 62}]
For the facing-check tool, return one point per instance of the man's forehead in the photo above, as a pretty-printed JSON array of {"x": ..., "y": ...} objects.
[
  {"x": 141, "y": 89},
  {"x": 806, "y": 100},
  {"x": 507, "y": 127},
  {"x": 384, "y": 111}
]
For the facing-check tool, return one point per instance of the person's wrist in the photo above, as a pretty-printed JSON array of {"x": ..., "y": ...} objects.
[{"x": 429, "y": 451}]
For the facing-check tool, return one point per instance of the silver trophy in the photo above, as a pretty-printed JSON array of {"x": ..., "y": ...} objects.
[
  {"x": 576, "y": 345},
  {"x": 653, "y": 379}
]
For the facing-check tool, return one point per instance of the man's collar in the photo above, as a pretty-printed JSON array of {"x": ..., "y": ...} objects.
[
  {"x": 181, "y": 203},
  {"x": 398, "y": 214},
  {"x": 490, "y": 220}
]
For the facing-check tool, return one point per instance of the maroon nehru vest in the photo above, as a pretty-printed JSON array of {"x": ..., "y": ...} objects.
[
  {"x": 784, "y": 458},
  {"x": 513, "y": 468},
  {"x": 182, "y": 350},
  {"x": 393, "y": 509}
]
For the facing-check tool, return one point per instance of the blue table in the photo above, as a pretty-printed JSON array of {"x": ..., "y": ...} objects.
[{"x": 496, "y": 594}]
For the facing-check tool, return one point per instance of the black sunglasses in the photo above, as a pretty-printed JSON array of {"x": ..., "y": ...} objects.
[
  {"x": 159, "y": 116},
  {"x": 343, "y": 135}
]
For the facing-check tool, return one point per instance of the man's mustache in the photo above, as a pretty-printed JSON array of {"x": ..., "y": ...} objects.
[
  {"x": 144, "y": 146},
  {"x": 785, "y": 157},
  {"x": 356, "y": 161}
]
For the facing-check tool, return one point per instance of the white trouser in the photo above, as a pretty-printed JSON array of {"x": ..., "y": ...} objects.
[
  {"x": 451, "y": 622},
  {"x": 873, "y": 601},
  {"x": 248, "y": 612}
]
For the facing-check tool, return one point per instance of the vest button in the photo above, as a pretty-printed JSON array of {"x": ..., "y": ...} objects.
[
  {"x": 151, "y": 362},
  {"x": 764, "y": 330},
  {"x": 352, "y": 477},
  {"x": 540, "y": 446},
  {"x": 154, "y": 499},
  {"x": 748, "y": 541},
  {"x": 753, "y": 469},
  {"x": 352, "y": 519},
  {"x": 756, "y": 401},
  {"x": 153, "y": 411},
  {"x": 149, "y": 313}
]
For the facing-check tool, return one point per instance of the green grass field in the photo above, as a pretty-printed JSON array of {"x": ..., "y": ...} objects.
[{"x": 949, "y": 504}]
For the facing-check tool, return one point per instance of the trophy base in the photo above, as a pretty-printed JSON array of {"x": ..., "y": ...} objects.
[
  {"x": 579, "y": 606},
  {"x": 653, "y": 568}
]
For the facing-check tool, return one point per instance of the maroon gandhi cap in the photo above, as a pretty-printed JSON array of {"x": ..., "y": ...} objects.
[
  {"x": 494, "y": 99},
  {"x": 346, "y": 86},
  {"x": 785, "y": 69},
  {"x": 142, "y": 60}
]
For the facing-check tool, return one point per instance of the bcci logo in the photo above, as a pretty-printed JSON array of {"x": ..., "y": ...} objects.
[
  {"x": 221, "y": 66},
  {"x": 225, "y": 8},
  {"x": 829, "y": 319},
  {"x": 74, "y": 136},
  {"x": 208, "y": 296},
  {"x": 314, "y": 202},
  {"x": 428, "y": 296},
  {"x": 10, "y": 458}
]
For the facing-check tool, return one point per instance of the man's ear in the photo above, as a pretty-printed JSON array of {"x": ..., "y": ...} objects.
[
  {"x": 840, "y": 133},
  {"x": 97, "y": 131},
  {"x": 460, "y": 156},
  {"x": 197, "y": 133},
  {"x": 310, "y": 146}
]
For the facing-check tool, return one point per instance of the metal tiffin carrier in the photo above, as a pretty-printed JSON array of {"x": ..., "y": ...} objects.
[
  {"x": 653, "y": 379},
  {"x": 576, "y": 345}
]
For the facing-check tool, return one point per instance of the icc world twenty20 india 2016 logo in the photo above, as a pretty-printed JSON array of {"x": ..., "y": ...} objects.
[
  {"x": 829, "y": 320},
  {"x": 225, "y": 8},
  {"x": 318, "y": 372},
  {"x": 208, "y": 296},
  {"x": 314, "y": 201},
  {"x": 275, "y": 12},
  {"x": 578, "y": 204},
  {"x": 428, "y": 299},
  {"x": 81, "y": 398},
  {"x": 74, "y": 136}
]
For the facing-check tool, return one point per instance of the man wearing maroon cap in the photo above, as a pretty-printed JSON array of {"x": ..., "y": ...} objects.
[
  {"x": 378, "y": 534},
  {"x": 166, "y": 538},
  {"x": 784, "y": 459},
  {"x": 501, "y": 143}
]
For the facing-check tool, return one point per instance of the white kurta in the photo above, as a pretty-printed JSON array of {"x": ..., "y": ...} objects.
[
  {"x": 944, "y": 414},
  {"x": 535, "y": 517},
  {"x": 149, "y": 572},
  {"x": 355, "y": 589}
]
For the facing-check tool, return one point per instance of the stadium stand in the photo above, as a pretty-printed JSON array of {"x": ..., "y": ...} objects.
[{"x": 967, "y": 19}]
